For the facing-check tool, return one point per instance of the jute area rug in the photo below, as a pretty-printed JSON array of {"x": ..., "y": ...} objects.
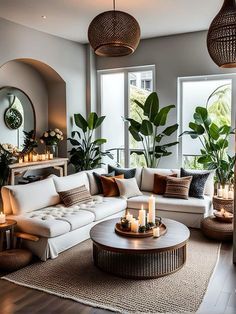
[{"x": 72, "y": 275}]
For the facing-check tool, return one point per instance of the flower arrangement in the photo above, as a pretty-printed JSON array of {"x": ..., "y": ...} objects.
[
  {"x": 52, "y": 137},
  {"x": 8, "y": 155}
]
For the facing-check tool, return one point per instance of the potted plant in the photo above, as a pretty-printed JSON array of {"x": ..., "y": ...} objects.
[
  {"x": 8, "y": 155},
  {"x": 215, "y": 143},
  {"x": 86, "y": 152},
  {"x": 149, "y": 129}
]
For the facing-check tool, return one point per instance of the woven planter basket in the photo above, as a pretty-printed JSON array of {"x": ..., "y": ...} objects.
[{"x": 227, "y": 204}]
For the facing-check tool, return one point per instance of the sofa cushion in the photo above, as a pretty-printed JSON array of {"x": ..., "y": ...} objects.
[
  {"x": 53, "y": 221},
  {"x": 70, "y": 182},
  {"x": 109, "y": 206},
  {"x": 198, "y": 182},
  {"x": 128, "y": 187},
  {"x": 178, "y": 187},
  {"x": 79, "y": 195},
  {"x": 148, "y": 177},
  {"x": 127, "y": 172},
  {"x": 33, "y": 196},
  {"x": 92, "y": 180},
  {"x": 192, "y": 205},
  {"x": 159, "y": 186},
  {"x": 109, "y": 185},
  {"x": 98, "y": 180}
]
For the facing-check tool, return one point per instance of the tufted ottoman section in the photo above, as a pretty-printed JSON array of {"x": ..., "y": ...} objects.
[{"x": 216, "y": 230}]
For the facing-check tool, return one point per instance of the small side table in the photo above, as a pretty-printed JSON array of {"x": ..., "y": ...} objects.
[
  {"x": 9, "y": 225},
  {"x": 214, "y": 229}
]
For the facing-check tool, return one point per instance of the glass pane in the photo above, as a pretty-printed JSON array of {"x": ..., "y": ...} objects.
[
  {"x": 140, "y": 86},
  {"x": 213, "y": 94},
  {"x": 112, "y": 106}
]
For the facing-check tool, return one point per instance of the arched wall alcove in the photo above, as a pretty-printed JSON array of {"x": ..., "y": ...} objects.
[{"x": 46, "y": 89}]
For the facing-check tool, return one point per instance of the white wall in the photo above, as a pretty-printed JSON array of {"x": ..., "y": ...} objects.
[
  {"x": 174, "y": 56},
  {"x": 67, "y": 58}
]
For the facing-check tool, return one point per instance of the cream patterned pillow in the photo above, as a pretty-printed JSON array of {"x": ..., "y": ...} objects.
[{"x": 128, "y": 187}]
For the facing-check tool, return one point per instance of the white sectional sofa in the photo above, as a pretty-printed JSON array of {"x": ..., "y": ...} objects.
[{"x": 37, "y": 209}]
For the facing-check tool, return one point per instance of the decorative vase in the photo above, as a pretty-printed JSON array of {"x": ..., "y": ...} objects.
[{"x": 51, "y": 151}]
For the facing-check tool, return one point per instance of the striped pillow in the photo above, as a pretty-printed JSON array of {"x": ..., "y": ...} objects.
[
  {"x": 79, "y": 195},
  {"x": 178, "y": 187}
]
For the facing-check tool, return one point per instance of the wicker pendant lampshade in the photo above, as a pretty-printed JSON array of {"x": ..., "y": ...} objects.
[
  {"x": 221, "y": 39},
  {"x": 114, "y": 33}
]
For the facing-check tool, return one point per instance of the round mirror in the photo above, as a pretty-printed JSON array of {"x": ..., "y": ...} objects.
[{"x": 16, "y": 116}]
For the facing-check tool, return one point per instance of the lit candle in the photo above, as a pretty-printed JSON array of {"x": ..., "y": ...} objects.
[
  {"x": 43, "y": 157},
  {"x": 51, "y": 156},
  {"x": 26, "y": 158},
  {"x": 220, "y": 192},
  {"x": 142, "y": 217},
  {"x": 226, "y": 192},
  {"x": 156, "y": 232},
  {"x": 2, "y": 218},
  {"x": 35, "y": 158},
  {"x": 129, "y": 217},
  {"x": 231, "y": 194},
  {"x": 151, "y": 208},
  {"x": 222, "y": 211},
  {"x": 134, "y": 225},
  {"x": 20, "y": 160}
]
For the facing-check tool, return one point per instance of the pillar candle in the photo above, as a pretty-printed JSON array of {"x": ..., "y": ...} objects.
[
  {"x": 129, "y": 217},
  {"x": 26, "y": 158},
  {"x": 2, "y": 218},
  {"x": 220, "y": 192},
  {"x": 156, "y": 232},
  {"x": 51, "y": 156},
  {"x": 231, "y": 194},
  {"x": 43, "y": 157},
  {"x": 226, "y": 192},
  {"x": 20, "y": 160},
  {"x": 142, "y": 217},
  {"x": 151, "y": 208},
  {"x": 134, "y": 226}
]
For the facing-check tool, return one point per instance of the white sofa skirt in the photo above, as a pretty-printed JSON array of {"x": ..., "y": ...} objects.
[{"x": 47, "y": 248}]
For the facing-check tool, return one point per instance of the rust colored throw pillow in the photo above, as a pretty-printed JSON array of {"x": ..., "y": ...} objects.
[
  {"x": 159, "y": 186},
  {"x": 79, "y": 195},
  {"x": 109, "y": 185},
  {"x": 178, "y": 187}
]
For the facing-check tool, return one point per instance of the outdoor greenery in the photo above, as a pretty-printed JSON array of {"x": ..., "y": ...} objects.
[
  {"x": 147, "y": 129},
  {"x": 86, "y": 152},
  {"x": 215, "y": 143}
]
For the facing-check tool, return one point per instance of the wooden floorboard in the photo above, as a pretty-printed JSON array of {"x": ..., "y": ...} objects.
[{"x": 220, "y": 297}]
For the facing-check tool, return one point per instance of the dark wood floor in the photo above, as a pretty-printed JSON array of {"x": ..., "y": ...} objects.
[{"x": 220, "y": 297}]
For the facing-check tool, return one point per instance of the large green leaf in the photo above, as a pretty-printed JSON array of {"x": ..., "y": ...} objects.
[
  {"x": 135, "y": 134},
  {"x": 202, "y": 113},
  {"x": 146, "y": 128},
  {"x": 162, "y": 115},
  {"x": 214, "y": 131},
  {"x": 99, "y": 122},
  {"x": 222, "y": 143},
  {"x": 100, "y": 141},
  {"x": 92, "y": 120},
  {"x": 197, "y": 128},
  {"x": 139, "y": 104},
  {"x": 135, "y": 124},
  {"x": 81, "y": 122},
  {"x": 73, "y": 142},
  {"x": 151, "y": 106},
  {"x": 204, "y": 159},
  {"x": 170, "y": 130}
]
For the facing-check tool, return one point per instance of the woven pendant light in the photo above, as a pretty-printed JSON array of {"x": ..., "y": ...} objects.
[
  {"x": 114, "y": 33},
  {"x": 221, "y": 38}
]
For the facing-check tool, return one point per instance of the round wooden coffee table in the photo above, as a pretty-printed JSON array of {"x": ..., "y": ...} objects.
[{"x": 139, "y": 258}]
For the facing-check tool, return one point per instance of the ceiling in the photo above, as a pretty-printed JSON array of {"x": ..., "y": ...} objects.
[{"x": 70, "y": 18}]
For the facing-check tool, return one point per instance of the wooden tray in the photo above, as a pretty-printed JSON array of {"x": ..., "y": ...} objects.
[
  {"x": 145, "y": 234},
  {"x": 221, "y": 218}
]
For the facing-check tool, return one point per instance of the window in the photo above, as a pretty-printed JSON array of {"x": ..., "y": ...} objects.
[
  {"x": 214, "y": 93},
  {"x": 118, "y": 90}
]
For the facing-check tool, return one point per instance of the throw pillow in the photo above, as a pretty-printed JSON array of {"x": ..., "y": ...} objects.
[
  {"x": 97, "y": 178},
  {"x": 159, "y": 186},
  {"x": 79, "y": 195},
  {"x": 128, "y": 173},
  {"x": 198, "y": 182},
  {"x": 128, "y": 187},
  {"x": 177, "y": 187},
  {"x": 109, "y": 185}
]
